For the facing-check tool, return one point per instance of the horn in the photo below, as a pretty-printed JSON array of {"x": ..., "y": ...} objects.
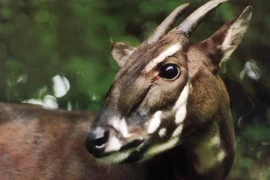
[
  {"x": 164, "y": 27},
  {"x": 192, "y": 21}
]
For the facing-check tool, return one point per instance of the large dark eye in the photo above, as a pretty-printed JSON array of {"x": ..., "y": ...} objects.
[{"x": 169, "y": 71}]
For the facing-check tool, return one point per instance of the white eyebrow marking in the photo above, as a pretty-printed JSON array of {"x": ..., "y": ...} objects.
[
  {"x": 181, "y": 105},
  {"x": 161, "y": 57}
]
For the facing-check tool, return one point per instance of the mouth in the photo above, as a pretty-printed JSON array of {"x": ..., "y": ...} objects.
[{"x": 128, "y": 153}]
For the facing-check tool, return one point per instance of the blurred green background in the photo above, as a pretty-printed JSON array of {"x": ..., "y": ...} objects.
[{"x": 57, "y": 54}]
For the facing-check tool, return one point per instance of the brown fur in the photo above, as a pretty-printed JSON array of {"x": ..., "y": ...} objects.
[{"x": 43, "y": 144}]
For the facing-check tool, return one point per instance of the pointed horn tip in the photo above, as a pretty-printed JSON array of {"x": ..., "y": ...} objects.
[
  {"x": 221, "y": 1},
  {"x": 185, "y": 5},
  {"x": 182, "y": 7},
  {"x": 248, "y": 9}
]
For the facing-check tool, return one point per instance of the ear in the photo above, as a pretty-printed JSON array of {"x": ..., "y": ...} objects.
[
  {"x": 228, "y": 37},
  {"x": 121, "y": 52}
]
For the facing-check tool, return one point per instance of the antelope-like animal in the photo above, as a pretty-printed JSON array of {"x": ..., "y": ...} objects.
[
  {"x": 168, "y": 104},
  {"x": 166, "y": 108}
]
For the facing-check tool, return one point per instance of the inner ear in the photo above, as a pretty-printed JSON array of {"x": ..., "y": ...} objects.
[
  {"x": 221, "y": 44},
  {"x": 121, "y": 52}
]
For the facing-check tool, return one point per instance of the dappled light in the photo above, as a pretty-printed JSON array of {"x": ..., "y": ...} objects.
[
  {"x": 48, "y": 101},
  {"x": 60, "y": 86}
]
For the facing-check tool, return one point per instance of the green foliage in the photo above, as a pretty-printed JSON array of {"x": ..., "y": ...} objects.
[{"x": 40, "y": 39}]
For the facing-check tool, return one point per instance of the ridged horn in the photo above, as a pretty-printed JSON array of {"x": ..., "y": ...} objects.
[
  {"x": 165, "y": 26},
  {"x": 192, "y": 21}
]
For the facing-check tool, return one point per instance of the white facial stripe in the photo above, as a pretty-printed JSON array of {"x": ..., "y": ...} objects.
[
  {"x": 120, "y": 126},
  {"x": 113, "y": 144},
  {"x": 124, "y": 129},
  {"x": 178, "y": 130},
  {"x": 161, "y": 57},
  {"x": 162, "y": 132},
  {"x": 116, "y": 157},
  {"x": 215, "y": 141},
  {"x": 154, "y": 122},
  {"x": 158, "y": 148},
  {"x": 181, "y": 105}
]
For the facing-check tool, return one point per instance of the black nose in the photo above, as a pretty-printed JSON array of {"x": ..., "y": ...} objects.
[{"x": 96, "y": 141}]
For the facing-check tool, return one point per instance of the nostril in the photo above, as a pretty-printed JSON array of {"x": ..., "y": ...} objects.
[
  {"x": 101, "y": 139},
  {"x": 96, "y": 141}
]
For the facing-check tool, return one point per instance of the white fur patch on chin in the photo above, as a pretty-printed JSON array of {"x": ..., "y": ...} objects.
[
  {"x": 113, "y": 144},
  {"x": 181, "y": 105},
  {"x": 116, "y": 157}
]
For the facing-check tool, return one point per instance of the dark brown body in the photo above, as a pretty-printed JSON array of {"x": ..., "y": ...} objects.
[{"x": 46, "y": 144}]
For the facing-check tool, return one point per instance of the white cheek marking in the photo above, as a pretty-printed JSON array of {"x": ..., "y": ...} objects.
[
  {"x": 161, "y": 57},
  {"x": 124, "y": 129},
  {"x": 162, "y": 132},
  {"x": 215, "y": 141},
  {"x": 120, "y": 126},
  {"x": 221, "y": 155},
  {"x": 158, "y": 148},
  {"x": 181, "y": 105},
  {"x": 154, "y": 122},
  {"x": 113, "y": 144},
  {"x": 178, "y": 130}
]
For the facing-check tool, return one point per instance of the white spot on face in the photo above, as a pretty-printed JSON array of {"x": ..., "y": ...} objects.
[
  {"x": 178, "y": 130},
  {"x": 120, "y": 126},
  {"x": 154, "y": 122},
  {"x": 221, "y": 155},
  {"x": 180, "y": 105},
  {"x": 161, "y": 57},
  {"x": 215, "y": 141},
  {"x": 113, "y": 144},
  {"x": 158, "y": 148},
  {"x": 162, "y": 132}
]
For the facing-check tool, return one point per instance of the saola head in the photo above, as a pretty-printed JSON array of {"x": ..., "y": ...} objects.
[{"x": 165, "y": 90}]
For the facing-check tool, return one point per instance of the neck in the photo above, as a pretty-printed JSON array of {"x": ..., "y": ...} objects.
[{"x": 207, "y": 154}]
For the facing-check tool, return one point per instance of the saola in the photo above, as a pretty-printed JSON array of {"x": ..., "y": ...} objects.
[
  {"x": 167, "y": 108},
  {"x": 168, "y": 104}
]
